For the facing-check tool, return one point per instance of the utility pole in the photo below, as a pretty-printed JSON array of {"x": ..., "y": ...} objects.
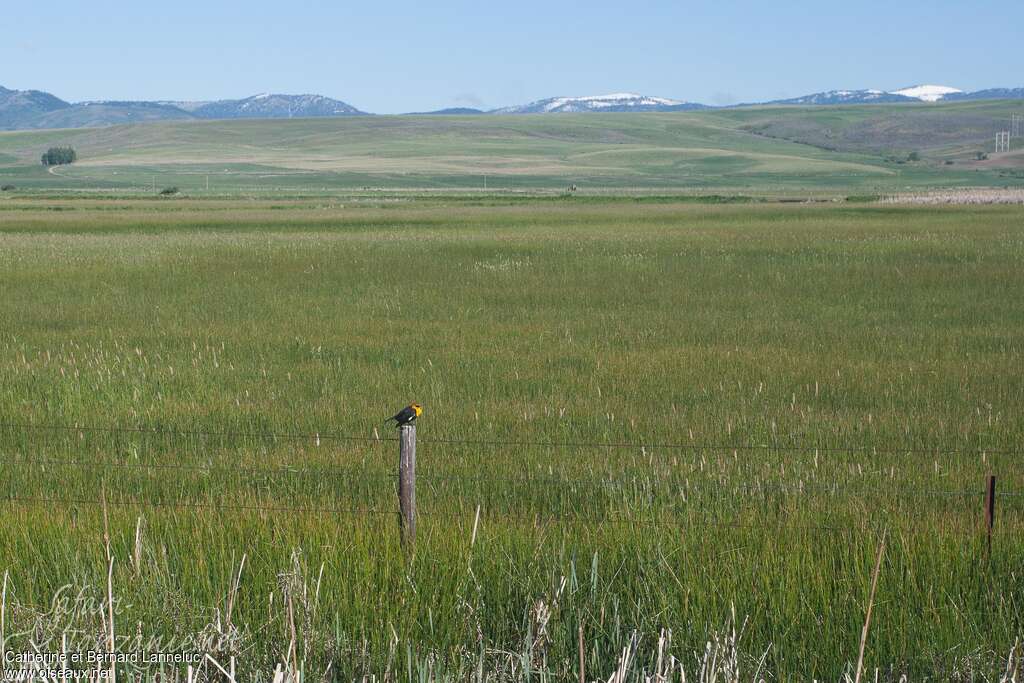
[{"x": 1003, "y": 141}]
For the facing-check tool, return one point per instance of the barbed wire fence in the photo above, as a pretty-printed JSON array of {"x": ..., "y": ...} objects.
[
  {"x": 537, "y": 518},
  {"x": 314, "y": 436}
]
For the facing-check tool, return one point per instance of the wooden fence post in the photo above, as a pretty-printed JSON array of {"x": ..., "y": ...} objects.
[
  {"x": 407, "y": 483},
  {"x": 990, "y": 509},
  {"x": 582, "y": 671}
]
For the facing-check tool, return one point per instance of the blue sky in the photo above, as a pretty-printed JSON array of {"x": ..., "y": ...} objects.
[{"x": 390, "y": 57}]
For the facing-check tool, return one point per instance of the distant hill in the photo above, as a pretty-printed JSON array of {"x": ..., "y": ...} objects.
[
  {"x": 989, "y": 94},
  {"x": 917, "y": 93},
  {"x": 617, "y": 102},
  {"x": 189, "y": 106},
  {"x": 35, "y": 109},
  {"x": 914, "y": 93},
  {"x": 95, "y": 114},
  {"x": 952, "y": 131},
  {"x": 448, "y": 111},
  {"x": 274, "y": 106},
  {"x": 847, "y": 97},
  {"x": 856, "y": 149},
  {"x": 21, "y": 108}
]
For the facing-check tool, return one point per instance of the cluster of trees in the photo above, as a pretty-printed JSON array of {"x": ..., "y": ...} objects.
[
  {"x": 897, "y": 159},
  {"x": 55, "y": 156}
]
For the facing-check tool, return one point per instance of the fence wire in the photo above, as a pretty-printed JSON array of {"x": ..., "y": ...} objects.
[
  {"x": 760, "y": 487},
  {"x": 496, "y": 443},
  {"x": 832, "y": 490}
]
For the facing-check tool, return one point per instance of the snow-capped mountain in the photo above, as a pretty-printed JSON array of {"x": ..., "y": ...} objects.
[
  {"x": 618, "y": 102},
  {"x": 847, "y": 97},
  {"x": 21, "y": 109},
  {"x": 615, "y": 102},
  {"x": 35, "y": 109},
  {"x": 915, "y": 93},
  {"x": 927, "y": 93},
  {"x": 274, "y": 106}
]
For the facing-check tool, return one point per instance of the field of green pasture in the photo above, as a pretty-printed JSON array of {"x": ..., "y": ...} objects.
[
  {"x": 643, "y": 420},
  {"x": 810, "y": 150}
]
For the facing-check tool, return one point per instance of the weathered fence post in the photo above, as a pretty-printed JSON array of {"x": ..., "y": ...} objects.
[
  {"x": 407, "y": 483},
  {"x": 990, "y": 509},
  {"x": 582, "y": 671}
]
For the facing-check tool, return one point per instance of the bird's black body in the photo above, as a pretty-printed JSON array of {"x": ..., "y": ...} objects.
[{"x": 406, "y": 415}]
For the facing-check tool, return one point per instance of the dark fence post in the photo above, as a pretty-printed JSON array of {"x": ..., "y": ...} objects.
[
  {"x": 990, "y": 509},
  {"x": 407, "y": 483}
]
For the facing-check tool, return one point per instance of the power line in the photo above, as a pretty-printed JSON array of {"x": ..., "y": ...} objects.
[{"x": 1003, "y": 141}]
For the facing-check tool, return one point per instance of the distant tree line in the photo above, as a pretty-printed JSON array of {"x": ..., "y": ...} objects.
[{"x": 55, "y": 156}]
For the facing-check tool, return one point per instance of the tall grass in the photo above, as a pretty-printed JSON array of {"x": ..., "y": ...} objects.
[{"x": 794, "y": 381}]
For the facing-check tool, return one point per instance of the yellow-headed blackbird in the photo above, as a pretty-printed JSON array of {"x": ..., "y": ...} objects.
[{"x": 407, "y": 414}]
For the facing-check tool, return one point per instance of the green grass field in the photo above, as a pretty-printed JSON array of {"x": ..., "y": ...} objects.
[
  {"x": 755, "y": 150},
  {"x": 795, "y": 381}
]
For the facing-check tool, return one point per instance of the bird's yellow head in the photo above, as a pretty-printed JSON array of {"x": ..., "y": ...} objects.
[{"x": 418, "y": 409}]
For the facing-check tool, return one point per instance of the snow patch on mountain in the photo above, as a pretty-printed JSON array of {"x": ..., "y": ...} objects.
[
  {"x": 916, "y": 93},
  {"x": 927, "y": 93},
  {"x": 870, "y": 96},
  {"x": 614, "y": 102}
]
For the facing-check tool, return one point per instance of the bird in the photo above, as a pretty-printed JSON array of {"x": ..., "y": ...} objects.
[{"x": 406, "y": 415}]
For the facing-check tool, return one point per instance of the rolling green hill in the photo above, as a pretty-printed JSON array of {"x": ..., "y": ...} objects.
[
  {"x": 945, "y": 131},
  {"x": 814, "y": 149}
]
